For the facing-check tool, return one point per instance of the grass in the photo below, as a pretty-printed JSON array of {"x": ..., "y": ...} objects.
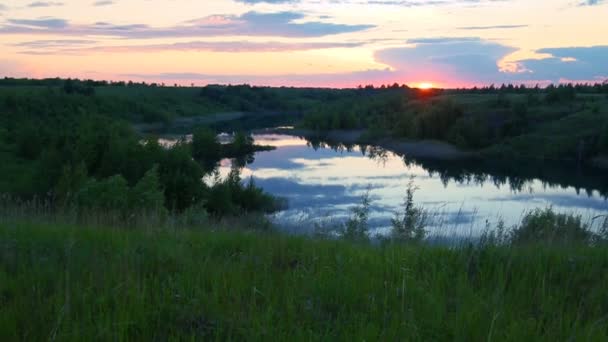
[{"x": 68, "y": 282}]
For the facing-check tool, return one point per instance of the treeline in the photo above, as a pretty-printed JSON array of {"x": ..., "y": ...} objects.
[
  {"x": 59, "y": 82},
  {"x": 581, "y": 88}
]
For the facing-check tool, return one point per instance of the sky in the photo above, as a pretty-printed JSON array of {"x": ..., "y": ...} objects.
[{"x": 320, "y": 43}]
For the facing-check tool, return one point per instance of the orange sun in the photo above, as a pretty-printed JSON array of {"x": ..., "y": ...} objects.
[{"x": 425, "y": 85}]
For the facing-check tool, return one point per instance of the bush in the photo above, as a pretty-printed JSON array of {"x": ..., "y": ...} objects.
[
  {"x": 110, "y": 194},
  {"x": 230, "y": 197},
  {"x": 355, "y": 228},
  {"x": 546, "y": 226},
  {"x": 408, "y": 226},
  {"x": 205, "y": 146}
]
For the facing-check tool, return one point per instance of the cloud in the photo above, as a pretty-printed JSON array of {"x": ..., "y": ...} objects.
[
  {"x": 66, "y": 47},
  {"x": 55, "y": 43},
  {"x": 591, "y": 2},
  {"x": 253, "y": 2},
  {"x": 346, "y": 79},
  {"x": 39, "y": 24},
  {"x": 445, "y": 60},
  {"x": 44, "y": 4},
  {"x": 103, "y": 3},
  {"x": 400, "y": 3},
  {"x": 571, "y": 63},
  {"x": 494, "y": 27},
  {"x": 278, "y": 24}
]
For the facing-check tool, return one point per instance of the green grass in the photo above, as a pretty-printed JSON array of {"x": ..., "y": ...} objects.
[{"x": 64, "y": 282}]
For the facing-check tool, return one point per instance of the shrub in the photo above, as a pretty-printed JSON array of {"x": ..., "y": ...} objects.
[
  {"x": 408, "y": 226},
  {"x": 108, "y": 194},
  {"x": 550, "y": 227},
  {"x": 355, "y": 228}
]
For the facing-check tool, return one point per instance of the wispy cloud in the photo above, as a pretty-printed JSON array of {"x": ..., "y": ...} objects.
[
  {"x": 277, "y": 24},
  {"x": 492, "y": 27},
  {"x": 45, "y": 4},
  {"x": 53, "y": 43},
  {"x": 103, "y": 3},
  {"x": 65, "y": 47},
  {"x": 39, "y": 24}
]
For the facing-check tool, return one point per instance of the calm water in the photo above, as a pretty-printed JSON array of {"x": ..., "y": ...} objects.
[{"x": 321, "y": 184}]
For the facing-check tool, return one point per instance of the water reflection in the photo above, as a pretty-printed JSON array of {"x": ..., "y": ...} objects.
[{"x": 321, "y": 181}]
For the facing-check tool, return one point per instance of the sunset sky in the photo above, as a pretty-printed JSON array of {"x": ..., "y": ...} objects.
[{"x": 329, "y": 43}]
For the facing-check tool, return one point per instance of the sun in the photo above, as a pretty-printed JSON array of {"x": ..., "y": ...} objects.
[{"x": 425, "y": 85}]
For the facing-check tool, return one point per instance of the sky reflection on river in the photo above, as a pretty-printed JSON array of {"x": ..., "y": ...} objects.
[{"x": 322, "y": 185}]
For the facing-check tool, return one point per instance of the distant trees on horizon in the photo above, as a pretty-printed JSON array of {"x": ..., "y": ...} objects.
[{"x": 597, "y": 87}]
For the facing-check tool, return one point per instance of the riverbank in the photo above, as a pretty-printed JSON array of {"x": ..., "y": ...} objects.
[
  {"x": 68, "y": 282},
  {"x": 223, "y": 120},
  {"x": 426, "y": 149},
  {"x": 431, "y": 150}
]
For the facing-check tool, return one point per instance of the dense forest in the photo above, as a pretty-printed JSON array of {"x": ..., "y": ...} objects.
[{"x": 69, "y": 146}]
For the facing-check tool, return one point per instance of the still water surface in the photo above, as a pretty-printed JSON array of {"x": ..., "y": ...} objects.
[{"x": 322, "y": 184}]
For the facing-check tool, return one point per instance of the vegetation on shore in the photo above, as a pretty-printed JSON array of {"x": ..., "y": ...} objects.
[
  {"x": 567, "y": 122},
  {"x": 71, "y": 150}
]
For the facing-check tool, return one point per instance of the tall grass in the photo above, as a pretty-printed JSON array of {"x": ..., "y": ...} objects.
[
  {"x": 73, "y": 282},
  {"x": 68, "y": 276}
]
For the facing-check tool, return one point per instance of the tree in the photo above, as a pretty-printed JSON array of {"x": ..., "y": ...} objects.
[
  {"x": 180, "y": 177},
  {"x": 73, "y": 178},
  {"x": 147, "y": 195},
  {"x": 205, "y": 145},
  {"x": 243, "y": 143}
]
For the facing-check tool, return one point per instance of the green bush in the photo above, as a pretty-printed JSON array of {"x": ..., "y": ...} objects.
[
  {"x": 147, "y": 194},
  {"x": 547, "y": 226},
  {"x": 108, "y": 194},
  {"x": 205, "y": 145}
]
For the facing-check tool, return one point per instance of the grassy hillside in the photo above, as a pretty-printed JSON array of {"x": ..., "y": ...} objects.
[{"x": 64, "y": 282}]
